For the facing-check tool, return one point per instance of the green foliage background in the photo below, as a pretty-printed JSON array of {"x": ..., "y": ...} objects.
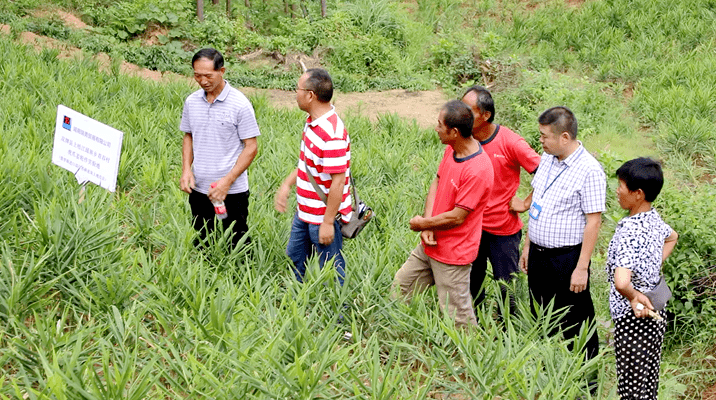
[{"x": 108, "y": 299}]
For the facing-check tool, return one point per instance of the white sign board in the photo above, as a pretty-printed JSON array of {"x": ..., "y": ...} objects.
[{"x": 87, "y": 148}]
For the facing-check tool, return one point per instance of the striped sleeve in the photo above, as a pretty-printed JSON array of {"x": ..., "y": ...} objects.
[
  {"x": 185, "y": 125},
  {"x": 246, "y": 119}
]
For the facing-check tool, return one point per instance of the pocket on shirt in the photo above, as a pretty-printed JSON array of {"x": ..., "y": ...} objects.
[
  {"x": 570, "y": 198},
  {"x": 227, "y": 126}
]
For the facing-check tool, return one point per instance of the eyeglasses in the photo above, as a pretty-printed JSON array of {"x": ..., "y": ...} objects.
[{"x": 298, "y": 88}]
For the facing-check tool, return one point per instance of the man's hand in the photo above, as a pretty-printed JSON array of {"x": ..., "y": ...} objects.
[
  {"x": 280, "y": 200},
  {"x": 524, "y": 257},
  {"x": 326, "y": 233},
  {"x": 640, "y": 298},
  {"x": 186, "y": 183},
  {"x": 428, "y": 238},
  {"x": 580, "y": 276},
  {"x": 416, "y": 223},
  {"x": 518, "y": 205},
  {"x": 523, "y": 260},
  {"x": 218, "y": 193}
]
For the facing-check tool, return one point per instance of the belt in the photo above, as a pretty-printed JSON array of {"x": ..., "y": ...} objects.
[{"x": 554, "y": 250}]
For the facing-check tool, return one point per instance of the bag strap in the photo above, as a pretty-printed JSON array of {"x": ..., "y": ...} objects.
[{"x": 322, "y": 195}]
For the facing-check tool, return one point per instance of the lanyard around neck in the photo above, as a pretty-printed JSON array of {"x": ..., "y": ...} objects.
[{"x": 560, "y": 172}]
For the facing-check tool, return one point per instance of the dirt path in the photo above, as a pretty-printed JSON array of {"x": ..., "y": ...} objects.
[{"x": 422, "y": 106}]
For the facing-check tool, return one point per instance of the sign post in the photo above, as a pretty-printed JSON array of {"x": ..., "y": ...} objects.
[{"x": 87, "y": 148}]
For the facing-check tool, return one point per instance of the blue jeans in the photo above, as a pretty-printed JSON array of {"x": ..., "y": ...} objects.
[{"x": 303, "y": 243}]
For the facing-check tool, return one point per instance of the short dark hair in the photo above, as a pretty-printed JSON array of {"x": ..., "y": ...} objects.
[
  {"x": 561, "y": 119},
  {"x": 642, "y": 173},
  {"x": 458, "y": 115},
  {"x": 484, "y": 100},
  {"x": 320, "y": 83},
  {"x": 209, "y": 54}
]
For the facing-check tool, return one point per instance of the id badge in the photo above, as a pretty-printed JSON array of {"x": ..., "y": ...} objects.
[{"x": 535, "y": 210}]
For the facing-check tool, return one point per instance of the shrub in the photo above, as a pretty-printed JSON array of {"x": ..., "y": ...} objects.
[
  {"x": 377, "y": 17},
  {"x": 454, "y": 61},
  {"x": 220, "y": 32},
  {"x": 262, "y": 77},
  {"x": 126, "y": 20},
  {"x": 695, "y": 254},
  {"x": 370, "y": 55},
  {"x": 52, "y": 27},
  {"x": 98, "y": 43}
]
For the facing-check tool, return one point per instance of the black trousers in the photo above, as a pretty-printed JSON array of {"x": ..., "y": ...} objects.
[
  {"x": 237, "y": 211},
  {"x": 549, "y": 276},
  {"x": 503, "y": 253}
]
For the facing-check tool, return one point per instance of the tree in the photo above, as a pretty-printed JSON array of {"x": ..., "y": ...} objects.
[{"x": 200, "y": 9}]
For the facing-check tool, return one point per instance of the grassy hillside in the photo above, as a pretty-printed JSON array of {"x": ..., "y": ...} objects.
[{"x": 107, "y": 298}]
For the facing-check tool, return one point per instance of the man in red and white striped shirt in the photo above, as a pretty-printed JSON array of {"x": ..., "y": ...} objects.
[{"x": 325, "y": 155}]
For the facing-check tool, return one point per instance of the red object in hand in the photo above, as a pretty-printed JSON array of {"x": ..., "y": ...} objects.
[{"x": 219, "y": 206}]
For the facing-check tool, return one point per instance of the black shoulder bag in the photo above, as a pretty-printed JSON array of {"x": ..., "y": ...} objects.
[{"x": 362, "y": 214}]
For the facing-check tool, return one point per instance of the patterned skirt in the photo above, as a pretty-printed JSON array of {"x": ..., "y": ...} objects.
[{"x": 638, "y": 354}]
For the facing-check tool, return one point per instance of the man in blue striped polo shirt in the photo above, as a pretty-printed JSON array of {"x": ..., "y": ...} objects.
[{"x": 219, "y": 144}]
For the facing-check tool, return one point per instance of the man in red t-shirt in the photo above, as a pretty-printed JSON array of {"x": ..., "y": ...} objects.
[
  {"x": 501, "y": 227},
  {"x": 451, "y": 227}
]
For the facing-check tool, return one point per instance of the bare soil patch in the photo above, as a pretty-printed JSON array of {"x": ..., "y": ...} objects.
[
  {"x": 40, "y": 43},
  {"x": 259, "y": 59},
  {"x": 71, "y": 20},
  {"x": 709, "y": 394},
  {"x": 151, "y": 36},
  {"x": 68, "y": 19},
  {"x": 422, "y": 106}
]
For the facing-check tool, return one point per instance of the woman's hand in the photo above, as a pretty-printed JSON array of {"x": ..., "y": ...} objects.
[{"x": 641, "y": 305}]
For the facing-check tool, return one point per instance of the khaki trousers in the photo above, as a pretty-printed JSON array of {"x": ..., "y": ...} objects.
[{"x": 451, "y": 281}]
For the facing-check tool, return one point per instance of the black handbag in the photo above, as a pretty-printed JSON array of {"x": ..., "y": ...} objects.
[
  {"x": 660, "y": 295},
  {"x": 362, "y": 214}
]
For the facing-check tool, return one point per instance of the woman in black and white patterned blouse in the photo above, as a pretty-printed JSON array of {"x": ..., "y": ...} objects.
[{"x": 641, "y": 242}]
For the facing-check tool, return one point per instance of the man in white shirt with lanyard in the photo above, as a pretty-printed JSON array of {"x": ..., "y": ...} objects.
[{"x": 566, "y": 204}]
